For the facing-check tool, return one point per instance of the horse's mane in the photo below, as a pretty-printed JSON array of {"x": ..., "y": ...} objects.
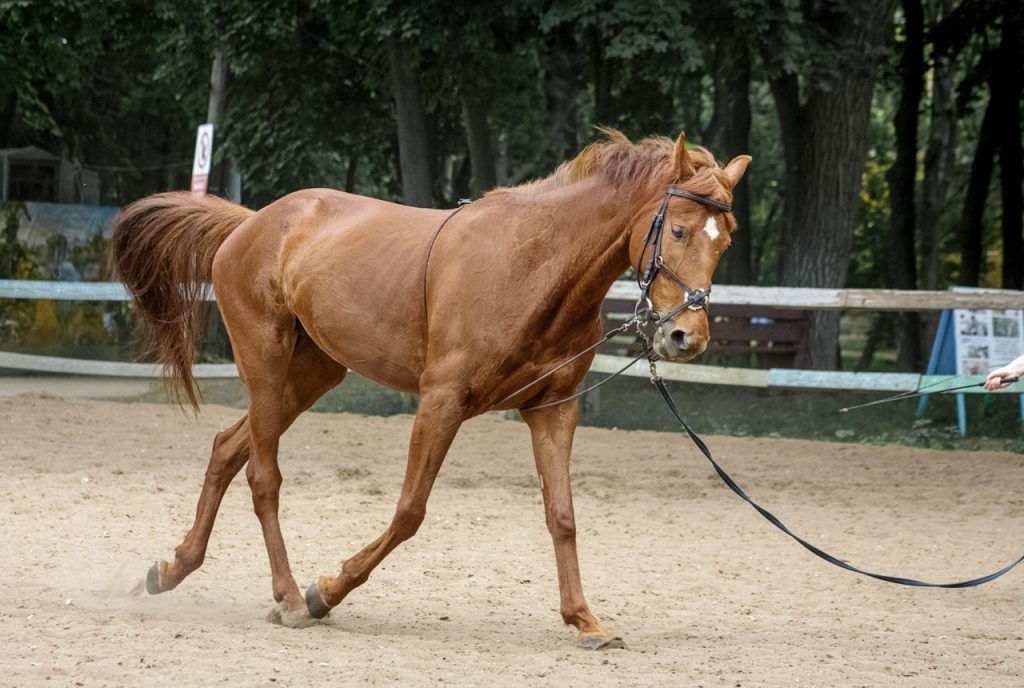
[{"x": 621, "y": 162}]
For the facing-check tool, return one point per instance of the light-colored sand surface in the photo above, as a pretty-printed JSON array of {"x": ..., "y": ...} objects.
[
  {"x": 70, "y": 387},
  {"x": 704, "y": 591}
]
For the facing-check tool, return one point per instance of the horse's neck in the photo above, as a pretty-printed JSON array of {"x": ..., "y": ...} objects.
[{"x": 590, "y": 232}]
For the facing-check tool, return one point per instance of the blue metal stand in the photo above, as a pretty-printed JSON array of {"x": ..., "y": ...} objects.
[{"x": 942, "y": 361}]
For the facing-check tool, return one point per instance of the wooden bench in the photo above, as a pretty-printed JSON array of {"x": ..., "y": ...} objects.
[{"x": 755, "y": 336}]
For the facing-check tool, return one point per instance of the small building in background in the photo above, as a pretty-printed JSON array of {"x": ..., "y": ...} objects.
[{"x": 33, "y": 174}]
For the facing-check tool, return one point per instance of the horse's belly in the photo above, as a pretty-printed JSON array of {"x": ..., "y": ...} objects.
[
  {"x": 357, "y": 342},
  {"x": 364, "y": 316}
]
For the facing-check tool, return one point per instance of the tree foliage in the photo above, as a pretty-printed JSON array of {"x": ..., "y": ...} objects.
[{"x": 505, "y": 92}]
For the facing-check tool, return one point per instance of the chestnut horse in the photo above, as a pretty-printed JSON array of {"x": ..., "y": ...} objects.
[{"x": 321, "y": 282}]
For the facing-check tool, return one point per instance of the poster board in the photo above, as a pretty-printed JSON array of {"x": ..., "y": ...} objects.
[
  {"x": 973, "y": 342},
  {"x": 987, "y": 339}
]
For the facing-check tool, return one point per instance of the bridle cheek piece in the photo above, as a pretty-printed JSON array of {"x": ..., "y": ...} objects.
[{"x": 696, "y": 299}]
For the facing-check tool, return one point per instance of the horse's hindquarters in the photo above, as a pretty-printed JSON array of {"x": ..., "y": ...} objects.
[{"x": 351, "y": 272}]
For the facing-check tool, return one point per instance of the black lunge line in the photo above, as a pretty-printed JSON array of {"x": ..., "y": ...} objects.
[{"x": 660, "y": 384}]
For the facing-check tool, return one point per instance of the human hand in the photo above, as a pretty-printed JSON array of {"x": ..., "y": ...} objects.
[{"x": 995, "y": 379}]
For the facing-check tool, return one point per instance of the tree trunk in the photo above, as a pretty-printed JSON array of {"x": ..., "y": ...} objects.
[
  {"x": 827, "y": 146},
  {"x": 601, "y": 78},
  {"x": 217, "y": 341},
  {"x": 413, "y": 145},
  {"x": 165, "y": 173},
  {"x": 461, "y": 178},
  {"x": 971, "y": 245},
  {"x": 559, "y": 86},
  {"x": 483, "y": 170},
  {"x": 729, "y": 134},
  {"x": 902, "y": 258},
  {"x": 874, "y": 338},
  {"x": 350, "y": 173},
  {"x": 1011, "y": 160},
  {"x": 939, "y": 159},
  {"x": 1010, "y": 74},
  {"x": 786, "y": 93},
  {"x": 218, "y": 81},
  {"x": 7, "y": 119},
  {"x": 222, "y": 172}
]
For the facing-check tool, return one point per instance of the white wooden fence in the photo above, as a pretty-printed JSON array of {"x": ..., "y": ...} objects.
[{"x": 780, "y": 297}]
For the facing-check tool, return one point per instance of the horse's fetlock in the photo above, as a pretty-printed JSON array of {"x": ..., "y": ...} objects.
[
  {"x": 574, "y": 615},
  {"x": 351, "y": 580},
  {"x": 189, "y": 559}
]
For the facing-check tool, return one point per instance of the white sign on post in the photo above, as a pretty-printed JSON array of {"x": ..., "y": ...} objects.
[{"x": 203, "y": 160}]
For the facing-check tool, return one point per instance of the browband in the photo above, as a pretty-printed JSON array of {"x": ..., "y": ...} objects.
[{"x": 703, "y": 200}]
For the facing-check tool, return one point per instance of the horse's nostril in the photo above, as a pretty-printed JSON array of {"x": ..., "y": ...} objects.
[{"x": 678, "y": 339}]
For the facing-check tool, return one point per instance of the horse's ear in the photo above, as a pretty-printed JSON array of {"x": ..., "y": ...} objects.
[
  {"x": 736, "y": 167},
  {"x": 681, "y": 160}
]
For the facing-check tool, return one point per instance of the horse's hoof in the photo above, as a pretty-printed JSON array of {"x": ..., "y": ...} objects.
[
  {"x": 291, "y": 618},
  {"x": 153, "y": 586},
  {"x": 601, "y": 642},
  {"x": 318, "y": 609}
]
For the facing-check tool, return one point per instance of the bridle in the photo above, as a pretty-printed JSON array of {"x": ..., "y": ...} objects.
[{"x": 647, "y": 318}]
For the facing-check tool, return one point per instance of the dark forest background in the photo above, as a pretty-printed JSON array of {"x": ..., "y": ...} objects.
[{"x": 886, "y": 134}]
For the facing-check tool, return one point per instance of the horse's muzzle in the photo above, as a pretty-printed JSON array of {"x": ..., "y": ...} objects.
[{"x": 675, "y": 343}]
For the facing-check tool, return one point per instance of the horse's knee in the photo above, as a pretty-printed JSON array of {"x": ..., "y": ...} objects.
[
  {"x": 265, "y": 486},
  {"x": 561, "y": 524}
]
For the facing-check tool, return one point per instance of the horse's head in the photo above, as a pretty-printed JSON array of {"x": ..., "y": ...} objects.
[{"x": 677, "y": 255}]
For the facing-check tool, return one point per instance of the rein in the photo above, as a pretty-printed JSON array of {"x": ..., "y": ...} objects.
[
  {"x": 697, "y": 299},
  {"x": 660, "y": 384}
]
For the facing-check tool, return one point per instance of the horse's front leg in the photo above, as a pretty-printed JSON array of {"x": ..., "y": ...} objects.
[
  {"x": 552, "y": 431},
  {"x": 438, "y": 418}
]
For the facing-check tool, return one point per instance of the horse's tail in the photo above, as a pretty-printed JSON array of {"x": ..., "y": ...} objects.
[{"x": 163, "y": 248}]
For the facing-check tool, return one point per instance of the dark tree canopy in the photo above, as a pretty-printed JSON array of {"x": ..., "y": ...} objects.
[{"x": 862, "y": 117}]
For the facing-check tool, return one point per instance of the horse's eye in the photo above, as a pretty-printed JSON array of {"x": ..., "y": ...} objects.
[{"x": 678, "y": 232}]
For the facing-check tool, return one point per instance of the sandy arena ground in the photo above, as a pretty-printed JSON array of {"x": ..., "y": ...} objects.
[{"x": 704, "y": 591}]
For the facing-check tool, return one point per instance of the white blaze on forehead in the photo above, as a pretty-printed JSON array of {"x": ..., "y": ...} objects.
[{"x": 711, "y": 228}]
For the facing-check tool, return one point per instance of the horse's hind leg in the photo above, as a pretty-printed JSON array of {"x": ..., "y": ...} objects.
[
  {"x": 310, "y": 374},
  {"x": 552, "y": 431},
  {"x": 264, "y": 359},
  {"x": 230, "y": 452}
]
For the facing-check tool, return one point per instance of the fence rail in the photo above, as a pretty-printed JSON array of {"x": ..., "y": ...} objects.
[
  {"x": 779, "y": 297},
  {"x": 806, "y": 298},
  {"x": 776, "y": 378}
]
